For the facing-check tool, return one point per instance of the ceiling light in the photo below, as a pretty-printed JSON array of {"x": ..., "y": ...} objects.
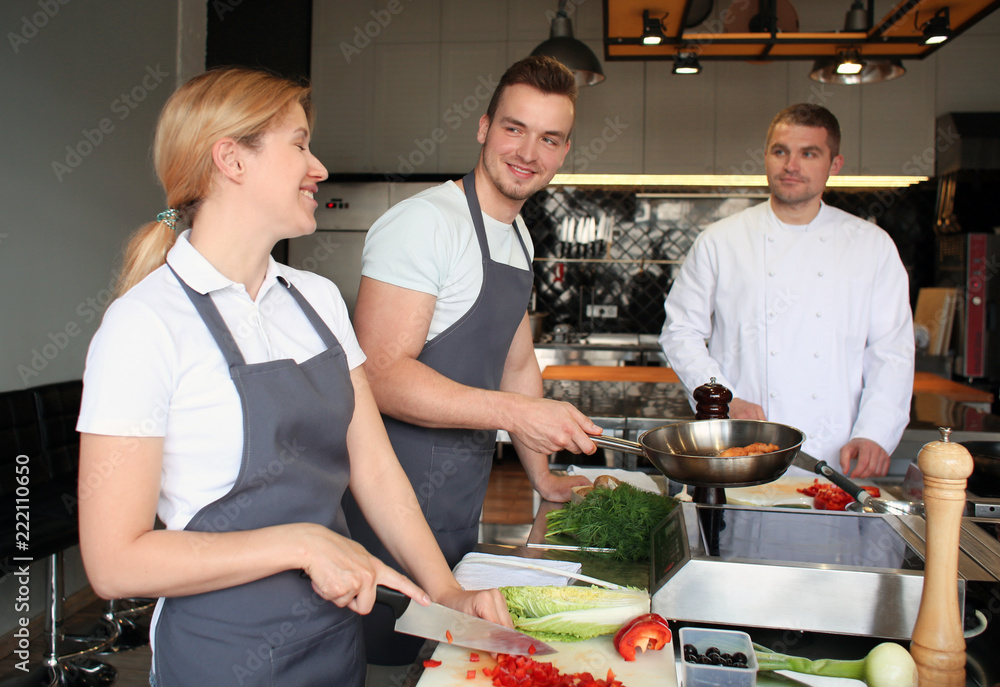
[
  {"x": 573, "y": 53},
  {"x": 872, "y": 71},
  {"x": 938, "y": 28},
  {"x": 856, "y": 19},
  {"x": 686, "y": 63},
  {"x": 652, "y": 29},
  {"x": 850, "y": 63}
]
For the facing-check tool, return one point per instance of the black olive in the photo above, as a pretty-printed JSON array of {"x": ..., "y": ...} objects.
[
  {"x": 740, "y": 657},
  {"x": 712, "y": 650},
  {"x": 704, "y": 660},
  {"x": 729, "y": 656},
  {"x": 691, "y": 658},
  {"x": 727, "y": 661},
  {"x": 690, "y": 648}
]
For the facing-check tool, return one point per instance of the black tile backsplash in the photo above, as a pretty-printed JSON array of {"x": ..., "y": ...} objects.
[{"x": 652, "y": 232}]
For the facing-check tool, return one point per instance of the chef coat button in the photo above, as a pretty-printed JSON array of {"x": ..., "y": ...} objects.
[
  {"x": 774, "y": 394},
  {"x": 774, "y": 353},
  {"x": 771, "y": 273},
  {"x": 819, "y": 314},
  {"x": 815, "y": 396},
  {"x": 770, "y": 313},
  {"x": 815, "y": 355},
  {"x": 770, "y": 239},
  {"x": 820, "y": 273},
  {"x": 822, "y": 238}
]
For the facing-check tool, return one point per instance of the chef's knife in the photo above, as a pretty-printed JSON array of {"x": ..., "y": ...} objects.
[{"x": 437, "y": 622}]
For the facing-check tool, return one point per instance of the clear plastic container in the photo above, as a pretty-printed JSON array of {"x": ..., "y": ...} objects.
[{"x": 728, "y": 642}]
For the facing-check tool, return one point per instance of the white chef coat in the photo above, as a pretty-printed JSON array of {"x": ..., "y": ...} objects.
[
  {"x": 154, "y": 370},
  {"x": 811, "y": 322}
]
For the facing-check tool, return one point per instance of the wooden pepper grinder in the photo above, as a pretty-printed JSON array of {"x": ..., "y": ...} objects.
[
  {"x": 712, "y": 401},
  {"x": 938, "y": 645}
]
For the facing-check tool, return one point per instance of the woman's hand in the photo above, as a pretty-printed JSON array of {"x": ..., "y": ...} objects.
[
  {"x": 342, "y": 571},
  {"x": 487, "y": 604}
]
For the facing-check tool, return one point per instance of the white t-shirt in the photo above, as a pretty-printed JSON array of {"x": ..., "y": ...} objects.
[
  {"x": 428, "y": 243},
  {"x": 812, "y": 322},
  {"x": 154, "y": 370}
]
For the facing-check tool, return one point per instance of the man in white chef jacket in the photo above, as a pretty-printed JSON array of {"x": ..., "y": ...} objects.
[{"x": 800, "y": 309}]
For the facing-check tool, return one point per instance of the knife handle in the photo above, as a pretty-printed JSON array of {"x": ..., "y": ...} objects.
[
  {"x": 396, "y": 600},
  {"x": 859, "y": 493}
]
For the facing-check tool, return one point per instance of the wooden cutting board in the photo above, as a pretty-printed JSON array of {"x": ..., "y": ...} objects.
[{"x": 593, "y": 655}]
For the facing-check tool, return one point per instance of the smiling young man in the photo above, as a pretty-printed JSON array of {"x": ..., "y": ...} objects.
[
  {"x": 800, "y": 309},
  {"x": 442, "y": 316}
]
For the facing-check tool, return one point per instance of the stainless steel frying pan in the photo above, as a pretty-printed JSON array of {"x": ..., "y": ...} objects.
[{"x": 688, "y": 452}]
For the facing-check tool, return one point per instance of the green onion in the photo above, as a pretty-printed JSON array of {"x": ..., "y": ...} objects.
[{"x": 887, "y": 665}]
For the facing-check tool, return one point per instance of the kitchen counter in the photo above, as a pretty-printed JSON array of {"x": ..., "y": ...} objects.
[
  {"x": 983, "y": 667},
  {"x": 627, "y": 400}
]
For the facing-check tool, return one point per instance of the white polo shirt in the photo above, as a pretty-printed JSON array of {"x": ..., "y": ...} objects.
[{"x": 154, "y": 370}]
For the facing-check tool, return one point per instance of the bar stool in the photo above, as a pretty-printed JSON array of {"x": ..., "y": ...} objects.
[{"x": 37, "y": 429}]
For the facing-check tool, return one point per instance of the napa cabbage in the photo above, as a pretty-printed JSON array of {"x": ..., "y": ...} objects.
[{"x": 574, "y": 612}]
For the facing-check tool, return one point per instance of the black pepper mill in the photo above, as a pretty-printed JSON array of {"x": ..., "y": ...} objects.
[{"x": 711, "y": 403}]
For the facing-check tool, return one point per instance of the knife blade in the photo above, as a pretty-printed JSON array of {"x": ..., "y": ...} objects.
[{"x": 437, "y": 621}]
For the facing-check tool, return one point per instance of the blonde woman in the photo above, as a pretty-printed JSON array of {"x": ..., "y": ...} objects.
[{"x": 224, "y": 393}]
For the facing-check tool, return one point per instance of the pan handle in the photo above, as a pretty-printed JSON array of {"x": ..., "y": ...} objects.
[{"x": 616, "y": 444}]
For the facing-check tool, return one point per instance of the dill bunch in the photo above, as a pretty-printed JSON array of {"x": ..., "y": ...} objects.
[{"x": 621, "y": 519}]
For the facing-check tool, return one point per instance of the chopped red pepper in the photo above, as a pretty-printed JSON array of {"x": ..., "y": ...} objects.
[
  {"x": 647, "y": 632},
  {"x": 474, "y": 657},
  {"x": 531, "y": 650},
  {"x": 470, "y": 675},
  {"x": 831, "y": 497},
  {"x": 521, "y": 671},
  {"x": 447, "y": 635},
  {"x": 431, "y": 663}
]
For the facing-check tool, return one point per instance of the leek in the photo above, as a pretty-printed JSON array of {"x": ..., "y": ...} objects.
[{"x": 887, "y": 665}]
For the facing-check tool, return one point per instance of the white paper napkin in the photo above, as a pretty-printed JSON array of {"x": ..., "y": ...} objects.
[
  {"x": 483, "y": 571},
  {"x": 639, "y": 480}
]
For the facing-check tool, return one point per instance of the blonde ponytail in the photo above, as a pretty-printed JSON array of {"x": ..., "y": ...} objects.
[
  {"x": 146, "y": 250},
  {"x": 236, "y": 102}
]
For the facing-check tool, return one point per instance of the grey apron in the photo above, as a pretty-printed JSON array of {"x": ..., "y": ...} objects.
[
  {"x": 450, "y": 468},
  {"x": 276, "y": 630}
]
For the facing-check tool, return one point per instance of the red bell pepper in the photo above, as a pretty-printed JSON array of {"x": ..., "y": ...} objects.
[{"x": 648, "y": 632}]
